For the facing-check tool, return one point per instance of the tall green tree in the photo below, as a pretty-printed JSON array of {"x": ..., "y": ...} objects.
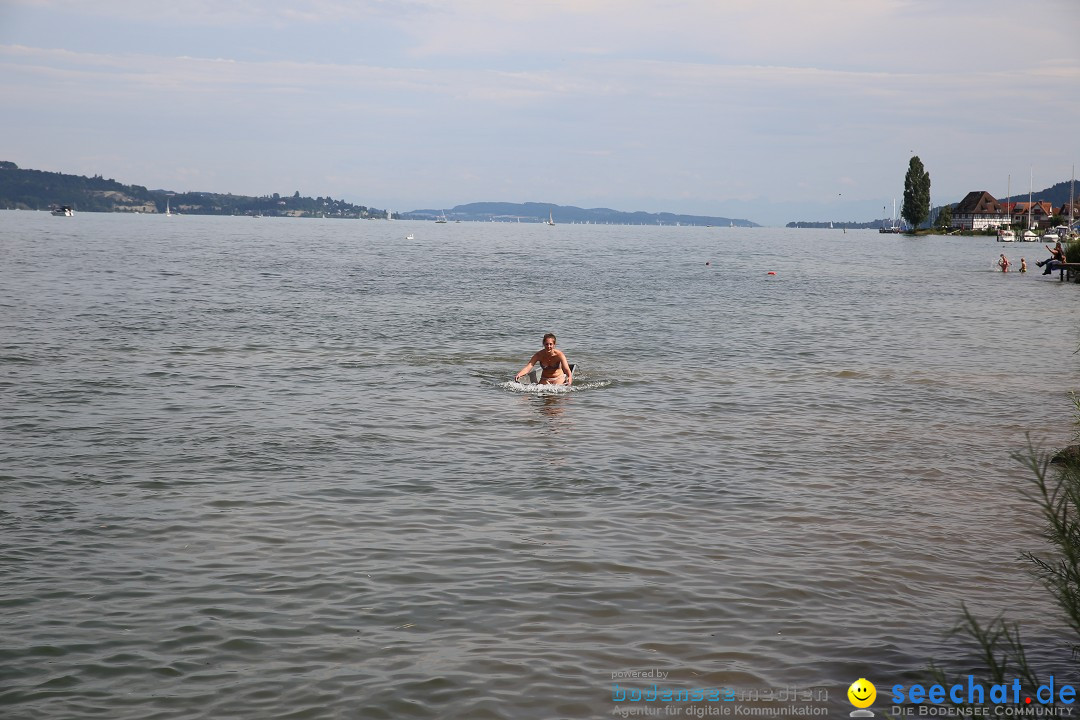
[
  {"x": 944, "y": 218},
  {"x": 916, "y": 194}
]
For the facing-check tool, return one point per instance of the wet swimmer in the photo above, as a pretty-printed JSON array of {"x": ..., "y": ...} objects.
[{"x": 555, "y": 370}]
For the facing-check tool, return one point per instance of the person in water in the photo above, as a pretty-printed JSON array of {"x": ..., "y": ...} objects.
[
  {"x": 1023, "y": 265},
  {"x": 555, "y": 368},
  {"x": 1003, "y": 263}
]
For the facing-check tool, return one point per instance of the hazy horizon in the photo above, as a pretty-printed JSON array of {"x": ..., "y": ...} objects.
[{"x": 773, "y": 112}]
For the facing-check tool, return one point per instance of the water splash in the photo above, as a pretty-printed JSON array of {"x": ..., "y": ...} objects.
[{"x": 515, "y": 386}]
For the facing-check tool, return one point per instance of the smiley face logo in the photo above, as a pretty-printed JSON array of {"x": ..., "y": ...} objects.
[{"x": 862, "y": 693}]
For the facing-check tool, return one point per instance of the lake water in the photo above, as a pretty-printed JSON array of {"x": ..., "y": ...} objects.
[{"x": 273, "y": 468}]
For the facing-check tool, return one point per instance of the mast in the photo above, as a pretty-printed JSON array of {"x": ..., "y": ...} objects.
[
  {"x": 1072, "y": 184},
  {"x": 1031, "y": 176}
]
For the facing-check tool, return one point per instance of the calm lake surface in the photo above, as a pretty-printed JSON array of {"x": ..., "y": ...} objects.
[{"x": 273, "y": 468}]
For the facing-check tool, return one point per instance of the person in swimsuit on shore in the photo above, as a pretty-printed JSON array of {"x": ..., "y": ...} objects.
[{"x": 555, "y": 368}]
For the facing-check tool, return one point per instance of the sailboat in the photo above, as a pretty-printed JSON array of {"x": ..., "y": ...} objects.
[
  {"x": 441, "y": 218},
  {"x": 1067, "y": 232},
  {"x": 1007, "y": 234},
  {"x": 1029, "y": 234},
  {"x": 1071, "y": 232},
  {"x": 894, "y": 226},
  {"x": 551, "y": 221},
  {"x": 168, "y": 212}
]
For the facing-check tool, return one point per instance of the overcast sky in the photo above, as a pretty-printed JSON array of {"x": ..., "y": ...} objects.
[{"x": 770, "y": 110}]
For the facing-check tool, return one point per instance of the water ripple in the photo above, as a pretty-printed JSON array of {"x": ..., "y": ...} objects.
[{"x": 286, "y": 476}]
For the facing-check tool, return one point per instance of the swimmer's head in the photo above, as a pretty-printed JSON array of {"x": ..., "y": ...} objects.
[{"x": 549, "y": 337}]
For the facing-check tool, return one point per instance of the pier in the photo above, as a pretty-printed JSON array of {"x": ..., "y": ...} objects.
[{"x": 1068, "y": 271}]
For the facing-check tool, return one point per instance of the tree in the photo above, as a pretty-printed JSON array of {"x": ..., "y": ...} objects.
[
  {"x": 944, "y": 217},
  {"x": 916, "y": 194}
]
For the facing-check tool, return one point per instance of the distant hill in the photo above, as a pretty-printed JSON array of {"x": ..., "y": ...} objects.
[
  {"x": 837, "y": 224},
  {"x": 38, "y": 190},
  {"x": 1057, "y": 195},
  {"x": 565, "y": 214}
]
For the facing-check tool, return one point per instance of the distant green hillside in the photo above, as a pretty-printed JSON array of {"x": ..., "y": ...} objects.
[
  {"x": 1057, "y": 195},
  {"x": 836, "y": 224},
  {"x": 38, "y": 190},
  {"x": 541, "y": 212}
]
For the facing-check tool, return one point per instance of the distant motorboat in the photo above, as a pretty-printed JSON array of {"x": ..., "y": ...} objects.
[
  {"x": 410, "y": 236},
  {"x": 1006, "y": 235},
  {"x": 63, "y": 211},
  {"x": 1030, "y": 236}
]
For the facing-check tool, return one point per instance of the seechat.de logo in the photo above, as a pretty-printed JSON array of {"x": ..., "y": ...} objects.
[{"x": 862, "y": 694}]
